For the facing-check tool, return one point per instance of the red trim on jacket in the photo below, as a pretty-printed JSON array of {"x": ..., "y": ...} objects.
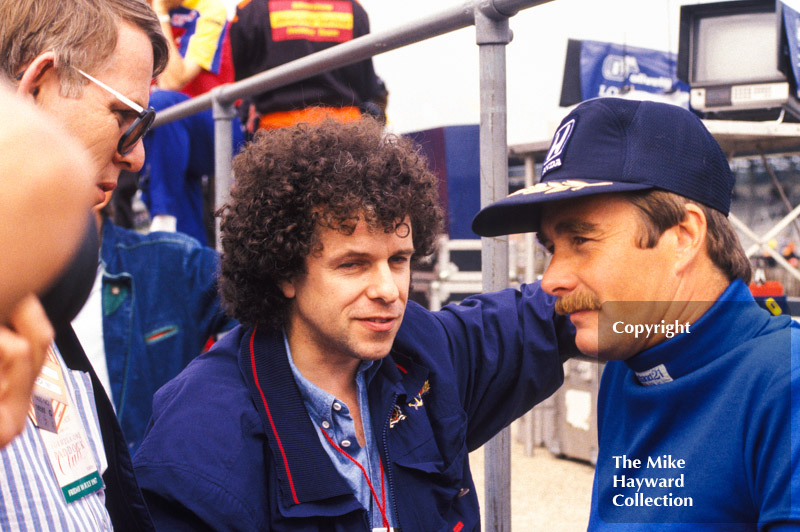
[{"x": 272, "y": 424}]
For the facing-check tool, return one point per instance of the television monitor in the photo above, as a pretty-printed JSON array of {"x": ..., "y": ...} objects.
[{"x": 730, "y": 54}]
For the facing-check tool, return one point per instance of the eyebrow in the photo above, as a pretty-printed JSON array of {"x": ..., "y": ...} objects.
[
  {"x": 352, "y": 254},
  {"x": 571, "y": 226},
  {"x": 349, "y": 255}
]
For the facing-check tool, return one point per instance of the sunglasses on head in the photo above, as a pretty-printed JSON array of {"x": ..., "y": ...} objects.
[{"x": 139, "y": 127}]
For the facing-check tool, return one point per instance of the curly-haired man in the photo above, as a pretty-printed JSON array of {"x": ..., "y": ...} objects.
[{"x": 320, "y": 412}]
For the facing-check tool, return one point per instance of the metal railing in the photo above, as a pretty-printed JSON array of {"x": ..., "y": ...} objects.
[{"x": 490, "y": 18}]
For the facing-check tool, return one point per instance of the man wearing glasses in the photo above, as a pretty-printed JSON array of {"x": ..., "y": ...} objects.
[{"x": 89, "y": 65}]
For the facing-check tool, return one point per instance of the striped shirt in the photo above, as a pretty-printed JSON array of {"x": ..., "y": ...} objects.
[{"x": 30, "y": 497}]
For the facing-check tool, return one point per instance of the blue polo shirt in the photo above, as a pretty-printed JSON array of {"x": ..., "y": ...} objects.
[{"x": 331, "y": 416}]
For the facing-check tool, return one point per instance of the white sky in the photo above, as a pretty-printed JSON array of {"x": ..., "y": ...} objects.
[{"x": 435, "y": 83}]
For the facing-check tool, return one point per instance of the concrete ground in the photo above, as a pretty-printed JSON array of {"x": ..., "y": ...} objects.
[{"x": 548, "y": 494}]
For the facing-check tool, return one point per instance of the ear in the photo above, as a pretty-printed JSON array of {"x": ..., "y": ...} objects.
[
  {"x": 690, "y": 237},
  {"x": 31, "y": 79},
  {"x": 288, "y": 289}
]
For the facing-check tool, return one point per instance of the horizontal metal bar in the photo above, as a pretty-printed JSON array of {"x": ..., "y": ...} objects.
[{"x": 344, "y": 54}]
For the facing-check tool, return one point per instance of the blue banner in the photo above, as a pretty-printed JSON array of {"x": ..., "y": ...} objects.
[
  {"x": 791, "y": 25},
  {"x": 608, "y": 69}
]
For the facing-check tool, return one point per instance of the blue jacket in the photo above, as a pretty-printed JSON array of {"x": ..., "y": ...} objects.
[
  {"x": 160, "y": 306},
  {"x": 231, "y": 446}
]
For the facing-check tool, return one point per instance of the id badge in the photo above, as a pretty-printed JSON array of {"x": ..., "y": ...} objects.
[
  {"x": 49, "y": 401},
  {"x": 64, "y": 437}
]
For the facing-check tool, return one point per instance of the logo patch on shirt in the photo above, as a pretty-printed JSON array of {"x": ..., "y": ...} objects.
[
  {"x": 417, "y": 401},
  {"x": 656, "y": 375},
  {"x": 330, "y": 21},
  {"x": 161, "y": 333},
  {"x": 397, "y": 416}
]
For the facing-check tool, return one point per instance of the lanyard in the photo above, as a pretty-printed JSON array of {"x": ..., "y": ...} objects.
[{"x": 381, "y": 507}]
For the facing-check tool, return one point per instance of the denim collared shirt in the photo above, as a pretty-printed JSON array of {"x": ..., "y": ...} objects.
[{"x": 332, "y": 416}]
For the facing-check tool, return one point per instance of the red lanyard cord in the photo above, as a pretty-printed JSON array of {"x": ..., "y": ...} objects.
[{"x": 381, "y": 508}]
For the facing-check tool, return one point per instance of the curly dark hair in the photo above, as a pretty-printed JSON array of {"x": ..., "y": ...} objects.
[{"x": 289, "y": 181}]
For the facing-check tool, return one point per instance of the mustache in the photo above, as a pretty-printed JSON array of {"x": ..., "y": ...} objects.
[{"x": 577, "y": 302}]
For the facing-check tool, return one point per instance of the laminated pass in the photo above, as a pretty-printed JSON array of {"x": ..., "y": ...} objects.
[{"x": 62, "y": 433}]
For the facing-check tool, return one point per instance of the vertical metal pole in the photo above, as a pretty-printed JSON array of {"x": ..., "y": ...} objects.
[
  {"x": 493, "y": 34},
  {"x": 223, "y": 154}
]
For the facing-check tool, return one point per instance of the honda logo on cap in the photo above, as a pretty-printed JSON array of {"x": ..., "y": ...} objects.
[{"x": 560, "y": 139}]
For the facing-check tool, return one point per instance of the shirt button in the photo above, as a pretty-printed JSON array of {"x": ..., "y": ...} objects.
[
  {"x": 326, "y": 425},
  {"x": 345, "y": 443},
  {"x": 337, "y": 406},
  {"x": 115, "y": 290}
]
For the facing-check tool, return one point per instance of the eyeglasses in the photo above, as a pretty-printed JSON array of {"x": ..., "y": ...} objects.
[{"x": 139, "y": 127}]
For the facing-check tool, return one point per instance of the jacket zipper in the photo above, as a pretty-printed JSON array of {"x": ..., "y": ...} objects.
[{"x": 388, "y": 463}]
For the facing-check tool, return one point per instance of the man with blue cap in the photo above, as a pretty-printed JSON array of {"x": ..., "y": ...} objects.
[{"x": 698, "y": 406}]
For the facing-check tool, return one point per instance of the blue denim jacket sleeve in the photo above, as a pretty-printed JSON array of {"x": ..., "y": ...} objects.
[{"x": 160, "y": 306}]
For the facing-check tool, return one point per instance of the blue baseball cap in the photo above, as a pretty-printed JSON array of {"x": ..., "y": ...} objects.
[{"x": 613, "y": 145}]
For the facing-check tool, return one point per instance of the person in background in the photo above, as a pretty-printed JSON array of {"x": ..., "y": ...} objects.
[
  {"x": 180, "y": 159},
  {"x": 153, "y": 307},
  {"x": 199, "y": 45},
  {"x": 88, "y": 65},
  {"x": 180, "y": 154},
  {"x": 699, "y": 402},
  {"x": 268, "y": 34}
]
